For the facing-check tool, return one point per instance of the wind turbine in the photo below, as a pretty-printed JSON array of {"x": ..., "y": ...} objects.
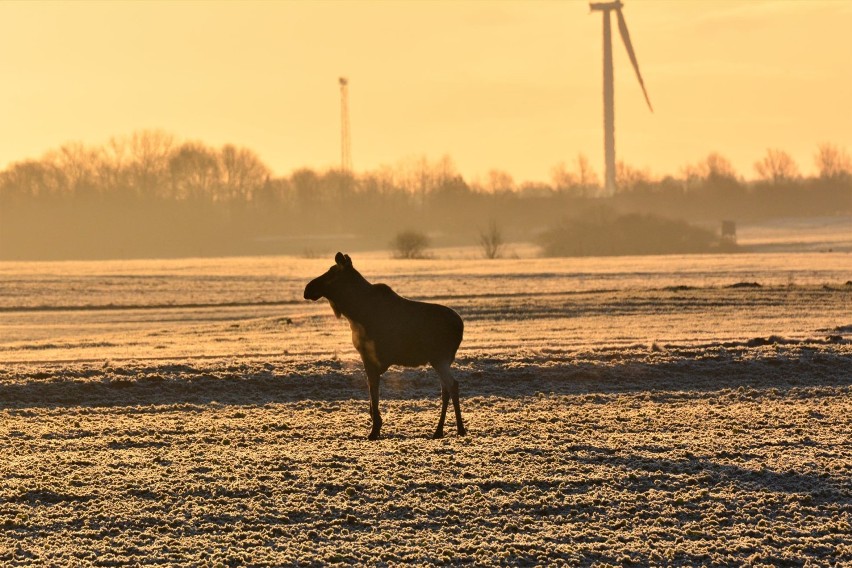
[{"x": 609, "y": 108}]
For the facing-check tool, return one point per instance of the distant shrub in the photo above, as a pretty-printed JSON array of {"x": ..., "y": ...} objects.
[
  {"x": 491, "y": 241},
  {"x": 604, "y": 233},
  {"x": 410, "y": 244}
]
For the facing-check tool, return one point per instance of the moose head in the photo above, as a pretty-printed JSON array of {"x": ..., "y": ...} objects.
[{"x": 336, "y": 280}]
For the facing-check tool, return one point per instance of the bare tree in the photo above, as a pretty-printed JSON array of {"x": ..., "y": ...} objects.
[
  {"x": 580, "y": 183},
  {"x": 112, "y": 173},
  {"x": 717, "y": 167},
  {"x": 307, "y": 190},
  {"x": 32, "y": 179},
  {"x": 586, "y": 176},
  {"x": 833, "y": 162},
  {"x": 777, "y": 166},
  {"x": 627, "y": 177},
  {"x": 150, "y": 151},
  {"x": 491, "y": 240},
  {"x": 78, "y": 166},
  {"x": 714, "y": 167},
  {"x": 500, "y": 181},
  {"x": 194, "y": 171},
  {"x": 420, "y": 177},
  {"x": 562, "y": 179},
  {"x": 242, "y": 172}
]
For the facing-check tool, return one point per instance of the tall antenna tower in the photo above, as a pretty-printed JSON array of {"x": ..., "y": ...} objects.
[{"x": 345, "y": 142}]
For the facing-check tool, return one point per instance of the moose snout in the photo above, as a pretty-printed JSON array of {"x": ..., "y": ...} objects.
[{"x": 312, "y": 292}]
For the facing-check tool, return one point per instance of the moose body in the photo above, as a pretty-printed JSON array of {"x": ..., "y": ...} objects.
[{"x": 388, "y": 329}]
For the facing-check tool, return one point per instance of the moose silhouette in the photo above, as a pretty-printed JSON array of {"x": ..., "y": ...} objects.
[{"x": 388, "y": 329}]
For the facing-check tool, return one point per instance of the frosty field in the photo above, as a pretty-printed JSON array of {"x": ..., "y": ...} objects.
[{"x": 660, "y": 410}]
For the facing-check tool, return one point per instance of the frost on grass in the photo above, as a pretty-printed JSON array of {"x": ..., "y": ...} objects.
[
  {"x": 688, "y": 456},
  {"x": 627, "y": 411}
]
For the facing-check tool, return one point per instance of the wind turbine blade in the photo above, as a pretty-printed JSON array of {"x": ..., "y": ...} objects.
[{"x": 625, "y": 37}]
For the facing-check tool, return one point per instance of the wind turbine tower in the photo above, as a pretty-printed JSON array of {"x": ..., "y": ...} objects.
[
  {"x": 609, "y": 90},
  {"x": 345, "y": 142}
]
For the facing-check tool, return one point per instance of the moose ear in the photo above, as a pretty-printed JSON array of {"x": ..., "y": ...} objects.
[{"x": 343, "y": 259}]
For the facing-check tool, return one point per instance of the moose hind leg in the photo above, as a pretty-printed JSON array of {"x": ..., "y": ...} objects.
[
  {"x": 373, "y": 382},
  {"x": 445, "y": 400},
  {"x": 455, "y": 394},
  {"x": 449, "y": 389}
]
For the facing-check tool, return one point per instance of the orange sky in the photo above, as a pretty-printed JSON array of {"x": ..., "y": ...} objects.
[{"x": 508, "y": 85}]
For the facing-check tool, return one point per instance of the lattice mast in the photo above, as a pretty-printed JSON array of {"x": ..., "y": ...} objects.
[{"x": 345, "y": 141}]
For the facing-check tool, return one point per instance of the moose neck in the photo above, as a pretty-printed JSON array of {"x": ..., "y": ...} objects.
[{"x": 350, "y": 300}]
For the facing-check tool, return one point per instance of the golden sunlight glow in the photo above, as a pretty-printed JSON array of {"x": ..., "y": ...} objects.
[{"x": 508, "y": 85}]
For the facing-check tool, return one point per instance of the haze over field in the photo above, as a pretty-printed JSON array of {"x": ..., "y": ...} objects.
[
  {"x": 210, "y": 129},
  {"x": 655, "y": 364},
  {"x": 150, "y": 195}
]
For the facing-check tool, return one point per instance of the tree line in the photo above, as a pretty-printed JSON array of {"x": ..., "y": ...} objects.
[{"x": 149, "y": 194}]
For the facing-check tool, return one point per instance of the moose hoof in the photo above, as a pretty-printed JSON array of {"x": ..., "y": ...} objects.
[
  {"x": 438, "y": 435},
  {"x": 462, "y": 431},
  {"x": 373, "y": 436}
]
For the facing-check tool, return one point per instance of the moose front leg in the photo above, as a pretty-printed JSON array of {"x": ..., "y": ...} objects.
[{"x": 373, "y": 382}]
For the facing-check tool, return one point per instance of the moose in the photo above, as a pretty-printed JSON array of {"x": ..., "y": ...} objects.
[{"x": 388, "y": 329}]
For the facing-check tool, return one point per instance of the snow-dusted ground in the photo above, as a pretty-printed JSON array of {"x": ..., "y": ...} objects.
[{"x": 620, "y": 410}]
